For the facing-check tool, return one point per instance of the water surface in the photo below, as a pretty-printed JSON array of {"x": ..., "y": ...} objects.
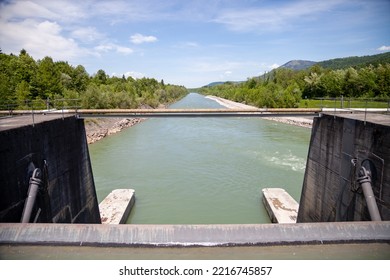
[{"x": 201, "y": 170}]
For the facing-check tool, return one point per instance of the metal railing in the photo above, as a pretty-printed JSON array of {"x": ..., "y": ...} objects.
[
  {"x": 40, "y": 106},
  {"x": 350, "y": 103},
  {"x": 71, "y": 106}
]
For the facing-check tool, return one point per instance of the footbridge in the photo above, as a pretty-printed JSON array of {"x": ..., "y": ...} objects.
[
  {"x": 68, "y": 216},
  {"x": 156, "y": 113}
]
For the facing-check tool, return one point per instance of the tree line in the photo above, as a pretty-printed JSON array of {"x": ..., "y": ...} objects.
[
  {"x": 285, "y": 87},
  {"x": 22, "y": 78},
  {"x": 355, "y": 61}
]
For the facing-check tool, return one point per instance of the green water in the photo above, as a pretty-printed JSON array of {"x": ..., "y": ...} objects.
[{"x": 201, "y": 170}]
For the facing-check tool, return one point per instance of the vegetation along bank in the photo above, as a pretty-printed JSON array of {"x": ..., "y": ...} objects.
[
  {"x": 358, "y": 78},
  {"x": 26, "y": 83}
]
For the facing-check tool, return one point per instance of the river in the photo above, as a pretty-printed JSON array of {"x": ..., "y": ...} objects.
[{"x": 201, "y": 170}]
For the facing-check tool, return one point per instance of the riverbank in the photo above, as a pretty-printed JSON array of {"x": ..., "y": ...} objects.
[
  {"x": 298, "y": 121},
  {"x": 97, "y": 129}
]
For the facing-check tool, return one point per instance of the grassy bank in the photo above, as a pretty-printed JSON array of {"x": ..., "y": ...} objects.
[{"x": 346, "y": 103}]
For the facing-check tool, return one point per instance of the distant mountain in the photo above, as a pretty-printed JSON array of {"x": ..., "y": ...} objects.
[
  {"x": 214, "y": 84},
  {"x": 298, "y": 64},
  {"x": 337, "y": 63},
  {"x": 340, "y": 63},
  {"x": 220, "y": 83}
]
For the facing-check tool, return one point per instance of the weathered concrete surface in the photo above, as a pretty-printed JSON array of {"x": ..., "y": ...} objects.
[
  {"x": 344, "y": 251},
  {"x": 116, "y": 207},
  {"x": 281, "y": 207},
  {"x": 339, "y": 145},
  {"x": 57, "y": 145},
  {"x": 194, "y": 235}
]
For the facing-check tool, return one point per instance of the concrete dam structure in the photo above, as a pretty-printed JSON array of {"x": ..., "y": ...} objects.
[
  {"x": 340, "y": 145},
  {"x": 58, "y": 147},
  {"x": 332, "y": 209}
]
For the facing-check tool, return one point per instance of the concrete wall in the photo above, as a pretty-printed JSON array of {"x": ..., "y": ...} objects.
[
  {"x": 338, "y": 146},
  {"x": 59, "y": 147}
]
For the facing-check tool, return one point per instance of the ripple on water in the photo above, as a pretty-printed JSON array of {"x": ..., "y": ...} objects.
[{"x": 201, "y": 170}]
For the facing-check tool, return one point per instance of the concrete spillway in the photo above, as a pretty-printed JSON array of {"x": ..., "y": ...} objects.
[{"x": 195, "y": 235}]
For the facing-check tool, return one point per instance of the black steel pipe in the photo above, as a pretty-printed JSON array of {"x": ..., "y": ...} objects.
[
  {"x": 364, "y": 180},
  {"x": 35, "y": 183}
]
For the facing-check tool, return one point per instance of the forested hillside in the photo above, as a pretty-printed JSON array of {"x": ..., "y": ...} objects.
[
  {"x": 285, "y": 87},
  {"x": 356, "y": 61},
  {"x": 22, "y": 78}
]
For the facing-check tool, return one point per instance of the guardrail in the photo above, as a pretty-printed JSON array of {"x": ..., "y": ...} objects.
[
  {"x": 71, "y": 106},
  {"x": 349, "y": 102}
]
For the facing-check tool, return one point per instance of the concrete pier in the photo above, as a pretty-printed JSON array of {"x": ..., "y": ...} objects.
[
  {"x": 116, "y": 207},
  {"x": 281, "y": 207}
]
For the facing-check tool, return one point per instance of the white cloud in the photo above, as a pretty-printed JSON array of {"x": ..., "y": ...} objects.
[
  {"x": 122, "y": 10},
  {"x": 134, "y": 74},
  {"x": 87, "y": 34},
  {"x": 38, "y": 27},
  {"x": 191, "y": 44},
  {"x": 272, "y": 18},
  {"x": 226, "y": 74},
  {"x": 187, "y": 45},
  {"x": 40, "y": 39},
  {"x": 104, "y": 48},
  {"x": 113, "y": 47},
  {"x": 273, "y": 66},
  {"x": 139, "y": 39},
  {"x": 25, "y": 9},
  {"x": 53, "y": 28},
  {"x": 384, "y": 48},
  {"x": 123, "y": 50}
]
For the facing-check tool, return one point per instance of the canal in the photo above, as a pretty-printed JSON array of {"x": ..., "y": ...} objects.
[{"x": 201, "y": 170}]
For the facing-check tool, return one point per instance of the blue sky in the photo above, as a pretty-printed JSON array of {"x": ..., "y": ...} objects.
[{"x": 193, "y": 43}]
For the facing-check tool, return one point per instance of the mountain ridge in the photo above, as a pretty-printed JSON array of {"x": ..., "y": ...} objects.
[
  {"x": 298, "y": 64},
  {"x": 333, "y": 64}
]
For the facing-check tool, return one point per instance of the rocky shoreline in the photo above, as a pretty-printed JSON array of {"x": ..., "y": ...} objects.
[
  {"x": 97, "y": 129},
  {"x": 298, "y": 121}
]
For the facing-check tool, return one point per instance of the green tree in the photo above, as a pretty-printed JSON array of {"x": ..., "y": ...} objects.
[
  {"x": 313, "y": 86},
  {"x": 100, "y": 77},
  {"x": 22, "y": 92},
  {"x": 351, "y": 85},
  {"x": 93, "y": 98},
  {"x": 80, "y": 78},
  {"x": 367, "y": 82},
  {"x": 8, "y": 79},
  {"x": 47, "y": 82},
  {"x": 383, "y": 80},
  {"x": 26, "y": 67},
  {"x": 332, "y": 83}
]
